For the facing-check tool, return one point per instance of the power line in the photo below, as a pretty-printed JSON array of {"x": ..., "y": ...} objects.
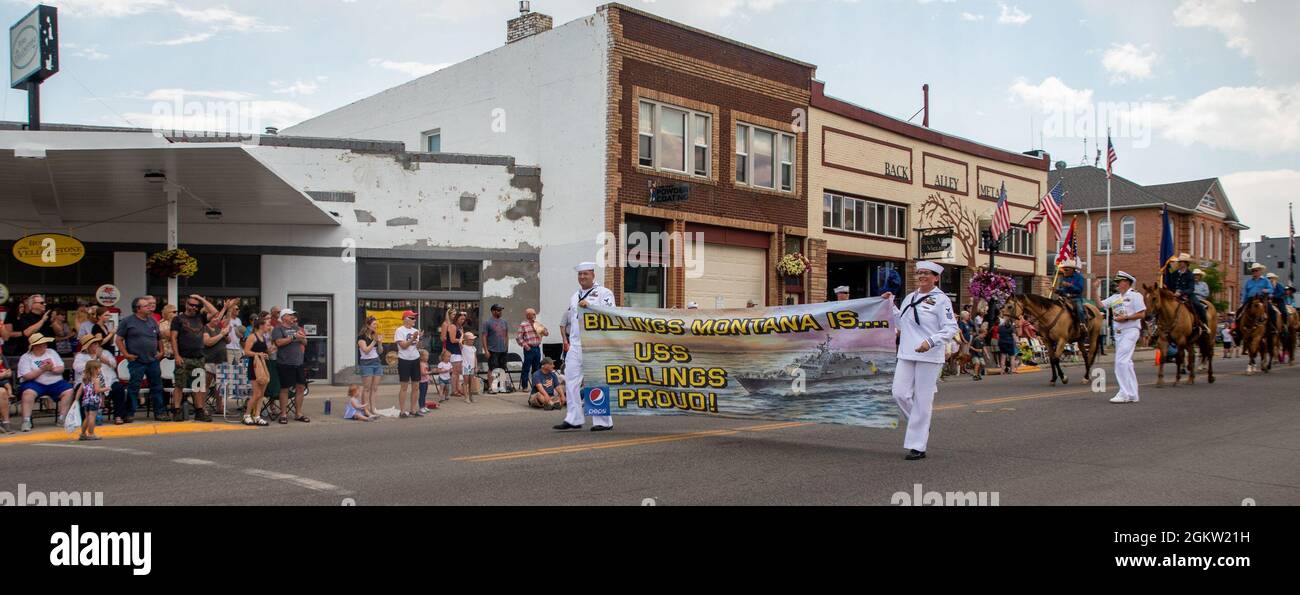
[{"x": 101, "y": 101}]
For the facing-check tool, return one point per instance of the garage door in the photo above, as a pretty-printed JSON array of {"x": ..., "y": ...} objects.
[{"x": 736, "y": 273}]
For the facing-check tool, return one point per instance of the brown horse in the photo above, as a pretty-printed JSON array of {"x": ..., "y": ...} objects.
[
  {"x": 1176, "y": 323},
  {"x": 1057, "y": 329},
  {"x": 1287, "y": 341},
  {"x": 1257, "y": 335}
]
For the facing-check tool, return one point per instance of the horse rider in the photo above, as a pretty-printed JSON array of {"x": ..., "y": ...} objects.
[
  {"x": 1279, "y": 300},
  {"x": 1070, "y": 287},
  {"x": 1254, "y": 286},
  {"x": 1182, "y": 282}
]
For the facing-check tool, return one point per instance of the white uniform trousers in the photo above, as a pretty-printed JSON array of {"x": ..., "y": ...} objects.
[
  {"x": 573, "y": 390},
  {"x": 914, "y": 386},
  {"x": 1125, "y": 341}
]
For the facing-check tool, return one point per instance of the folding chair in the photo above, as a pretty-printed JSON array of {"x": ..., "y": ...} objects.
[{"x": 232, "y": 384}]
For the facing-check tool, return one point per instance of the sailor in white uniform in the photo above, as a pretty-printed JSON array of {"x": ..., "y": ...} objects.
[
  {"x": 924, "y": 324},
  {"x": 1127, "y": 311},
  {"x": 589, "y": 293},
  {"x": 842, "y": 293}
]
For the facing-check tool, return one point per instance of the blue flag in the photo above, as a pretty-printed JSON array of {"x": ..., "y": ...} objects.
[{"x": 1166, "y": 240}]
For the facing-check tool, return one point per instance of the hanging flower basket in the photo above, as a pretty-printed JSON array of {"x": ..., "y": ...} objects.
[
  {"x": 172, "y": 263},
  {"x": 793, "y": 265},
  {"x": 991, "y": 286}
]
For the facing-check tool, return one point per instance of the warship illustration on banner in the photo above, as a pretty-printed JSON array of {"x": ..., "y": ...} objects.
[{"x": 820, "y": 369}]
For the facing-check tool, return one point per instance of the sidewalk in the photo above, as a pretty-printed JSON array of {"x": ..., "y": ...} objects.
[{"x": 313, "y": 405}]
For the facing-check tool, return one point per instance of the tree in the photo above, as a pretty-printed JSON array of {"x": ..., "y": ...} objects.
[{"x": 1214, "y": 278}]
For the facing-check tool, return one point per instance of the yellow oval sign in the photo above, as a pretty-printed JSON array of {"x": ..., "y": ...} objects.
[{"x": 49, "y": 250}]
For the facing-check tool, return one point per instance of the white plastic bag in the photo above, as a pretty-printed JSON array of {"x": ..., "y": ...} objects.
[{"x": 72, "y": 422}]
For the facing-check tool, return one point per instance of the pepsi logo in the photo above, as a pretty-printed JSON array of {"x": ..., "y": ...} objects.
[{"x": 596, "y": 396}]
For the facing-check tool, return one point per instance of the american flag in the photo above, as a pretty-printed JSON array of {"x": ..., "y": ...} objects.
[
  {"x": 1069, "y": 247},
  {"x": 1111, "y": 157},
  {"x": 1050, "y": 209},
  {"x": 1001, "y": 215}
]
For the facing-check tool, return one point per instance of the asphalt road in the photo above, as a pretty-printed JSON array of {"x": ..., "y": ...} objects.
[{"x": 1031, "y": 444}]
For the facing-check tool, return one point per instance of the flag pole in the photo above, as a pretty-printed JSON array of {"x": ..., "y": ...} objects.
[{"x": 1110, "y": 230}]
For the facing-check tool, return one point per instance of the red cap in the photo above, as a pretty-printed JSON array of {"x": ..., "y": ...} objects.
[{"x": 410, "y": 314}]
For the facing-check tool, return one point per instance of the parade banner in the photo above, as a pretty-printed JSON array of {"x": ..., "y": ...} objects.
[{"x": 826, "y": 363}]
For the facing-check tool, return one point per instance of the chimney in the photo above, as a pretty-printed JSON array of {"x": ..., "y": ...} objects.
[
  {"x": 925, "y": 104},
  {"x": 527, "y": 24}
]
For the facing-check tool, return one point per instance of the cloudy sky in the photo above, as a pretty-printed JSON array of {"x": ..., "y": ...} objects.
[{"x": 1193, "y": 88}]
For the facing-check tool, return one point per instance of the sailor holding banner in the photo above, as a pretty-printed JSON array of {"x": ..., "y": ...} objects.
[
  {"x": 925, "y": 324},
  {"x": 589, "y": 293}
]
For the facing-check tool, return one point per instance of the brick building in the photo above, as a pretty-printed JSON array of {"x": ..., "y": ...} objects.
[
  {"x": 887, "y": 192},
  {"x": 1204, "y": 226}
]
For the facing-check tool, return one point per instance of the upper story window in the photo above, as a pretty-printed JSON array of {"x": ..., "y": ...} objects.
[
  {"x": 431, "y": 141},
  {"x": 864, "y": 216},
  {"x": 1127, "y": 234},
  {"x": 765, "y": 158},
  {"x": 1103, "y": 235},
  {"x": 663, "y": 132}
]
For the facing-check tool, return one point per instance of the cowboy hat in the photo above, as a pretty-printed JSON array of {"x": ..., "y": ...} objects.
[
  {"x": 1184, "y": 257},
  {"x": 88, "y": 340},
  {"x": 1198, "y": 272},
  {"x": 39, "y": 339},
  {"x": 1257, "y": 267}
]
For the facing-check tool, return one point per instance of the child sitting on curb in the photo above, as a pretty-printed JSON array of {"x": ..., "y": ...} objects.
[{"x": 356, "y": 409}]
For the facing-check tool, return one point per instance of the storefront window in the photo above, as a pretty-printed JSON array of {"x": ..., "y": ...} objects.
[
  {"x": 432, "y": 313},
  {"x": 381, "y": 275},
  {"x": 643, "y": 277}
]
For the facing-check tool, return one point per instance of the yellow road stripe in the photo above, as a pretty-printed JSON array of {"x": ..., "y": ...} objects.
[
  {"x": 125, "y": 431},
  {"x": 504, "y": 456}
]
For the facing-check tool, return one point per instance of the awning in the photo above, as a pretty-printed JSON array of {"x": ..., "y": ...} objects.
[{"x": 61, "y": 180}]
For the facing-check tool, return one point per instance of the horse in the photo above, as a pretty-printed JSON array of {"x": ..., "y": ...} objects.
[
  {"x": 1257, "y": 334},
  {"x": 1176, "y": 323},
  {"x": 1057, "y": 328},
  {"x": 1287, "y": 339}
]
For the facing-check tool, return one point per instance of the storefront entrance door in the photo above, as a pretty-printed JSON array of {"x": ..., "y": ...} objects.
[{"x": 315, "y": 314}]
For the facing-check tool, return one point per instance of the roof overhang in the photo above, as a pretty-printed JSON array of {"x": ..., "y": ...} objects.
[{"x": 71, "y": 179}]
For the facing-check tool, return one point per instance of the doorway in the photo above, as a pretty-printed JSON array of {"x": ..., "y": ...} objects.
[{"x": 316, "y": 316}]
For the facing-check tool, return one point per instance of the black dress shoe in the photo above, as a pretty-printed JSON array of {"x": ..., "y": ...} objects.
[
  {"x": 601, "y": 428},
  {"x": 566, "y": 426},
  {"x": 914, "y": 455}
]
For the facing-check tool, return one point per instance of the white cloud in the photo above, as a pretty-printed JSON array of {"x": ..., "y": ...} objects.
[
  {"x": 1051, "y": 94},
  {"x": 1263, "y": 31},
  {"x": 184, "y": 39},
  {"x": 1259, "y": 197},
  {"x": 966, "y": 16},
  {"x": 1128, "y": 61},
  {"x": 1012, "y": 15},
  {"x": 1223, "y": 16},
  {"x": 1262, "y": 120},
  {"x": 224, "y": 19},
  {"x": 412, "y": 69},
  {"x": 297, "y": 87}
]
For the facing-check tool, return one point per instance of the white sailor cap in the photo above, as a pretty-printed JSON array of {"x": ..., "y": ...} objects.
[
  {"x": 926, "y": 265},
  {"x": 692, "y": 306},
  {"x": 842, "y": 289},
  {"x": 1123, "y": 275},
  {"x": 585, "y": 266}
]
